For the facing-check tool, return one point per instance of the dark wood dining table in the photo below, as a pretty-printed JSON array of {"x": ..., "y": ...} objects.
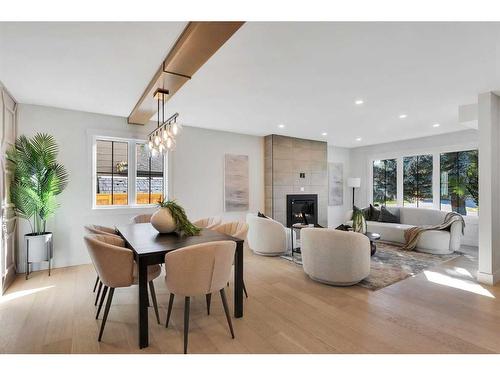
[{"x": 150, "y": 247}]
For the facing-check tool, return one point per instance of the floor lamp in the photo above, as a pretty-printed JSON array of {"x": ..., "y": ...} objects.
[{"x": 353, "y": 182}]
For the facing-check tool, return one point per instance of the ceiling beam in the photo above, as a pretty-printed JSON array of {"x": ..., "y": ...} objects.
[{"x": 197, "y": 43}]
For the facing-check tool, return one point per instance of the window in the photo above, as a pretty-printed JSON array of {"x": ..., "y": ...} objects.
[
  {"x": 417, "y": 181},
  {"x": 385, "y": 182},
  {"x": 112, "y": 173},
  {"x": 149, "y": 180},
  {"x": 126, "y": 174},
  {"x": 459, "y": 182}
]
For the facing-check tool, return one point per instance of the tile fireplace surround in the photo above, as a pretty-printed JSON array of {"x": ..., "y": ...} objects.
[{"x": 294, "y": 166}]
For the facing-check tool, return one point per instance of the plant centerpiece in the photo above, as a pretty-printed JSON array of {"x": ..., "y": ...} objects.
[
  {"x": 171, "y": 217},
  {"x": 37, "y": 179}
]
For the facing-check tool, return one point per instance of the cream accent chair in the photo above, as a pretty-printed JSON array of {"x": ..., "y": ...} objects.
[
  {"x": 235, "y": 229},
  {"x": 116, "y": 268},
  {"x": 208, "y": 222},
  {"x": 335, "y": 257},
  {"x": 143, "y": 218},
  {"x": 266, "y": 237},
  {"x": 100, "y": 229},
  {"x": 199, "y": 269}
]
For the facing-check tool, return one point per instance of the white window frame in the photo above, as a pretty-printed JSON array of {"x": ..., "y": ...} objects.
[
  {"x": 132, "y": 173},
  {"x": 436, "y": 168}
]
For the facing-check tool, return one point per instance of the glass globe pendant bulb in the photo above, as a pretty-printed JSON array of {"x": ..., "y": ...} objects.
[
  {"x": 157, "y": 140},
  {"x": 175, "y": 129},
  {"x": 161, "y": 148},
  {"x": 165, "y": 134},
  {"x": 150, "y": 144},
  {"x": 169, "y": 142}
]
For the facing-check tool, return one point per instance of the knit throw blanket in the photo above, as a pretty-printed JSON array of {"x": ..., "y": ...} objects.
[{"x": 413, "y": 234}]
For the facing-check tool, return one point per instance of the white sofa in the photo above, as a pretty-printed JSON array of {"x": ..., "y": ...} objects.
[
  {"x": 335, "y": 257},
  {"x": 266, "y": 236},
  {"x": 432, "y": 242}
]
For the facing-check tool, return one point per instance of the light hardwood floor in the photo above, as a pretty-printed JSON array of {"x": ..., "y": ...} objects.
[{"x": 442, "y": 311}]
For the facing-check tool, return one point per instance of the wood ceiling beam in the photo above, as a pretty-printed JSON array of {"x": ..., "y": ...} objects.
[{"x": 197, "y": 43}]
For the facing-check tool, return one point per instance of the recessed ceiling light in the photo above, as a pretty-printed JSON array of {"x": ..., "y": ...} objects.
[
  {"x": 324, "y": 133},
  {"x": 436, "y": 125},
  {"x": 281, "y": 126},
  {"x": 403, "y": 116},
  {"x": 359, "y": 101},
  {"x": 359, "y": 139}
]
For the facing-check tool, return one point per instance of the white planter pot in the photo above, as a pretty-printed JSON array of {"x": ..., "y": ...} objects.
[
  {"x": 38, "y": 249},
  {"x": 163, "y": 221}
]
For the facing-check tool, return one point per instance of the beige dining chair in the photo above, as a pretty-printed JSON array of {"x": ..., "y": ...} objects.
[
  {"x": 199, "y": 269},
  {"x": 100, "y": 229},
  {"x": 235, "y": 229},
  {"x": 116, "y": 268},
  {"x": 208, "y": 222},
  {"x": 143, "y": 218}
]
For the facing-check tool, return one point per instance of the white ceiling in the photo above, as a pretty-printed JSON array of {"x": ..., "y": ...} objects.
[
  {"x": 303, "y": 75},
  {"x": 93, "y": 67}
]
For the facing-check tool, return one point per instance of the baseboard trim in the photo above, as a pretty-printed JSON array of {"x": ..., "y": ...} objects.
[{"x": 488, "y": 278}]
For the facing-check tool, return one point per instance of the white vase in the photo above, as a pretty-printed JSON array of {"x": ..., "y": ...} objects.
[{"x": 163, "y": 221}]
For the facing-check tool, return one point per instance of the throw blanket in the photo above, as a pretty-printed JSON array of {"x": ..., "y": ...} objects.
[{"x": 412, "y": 235}]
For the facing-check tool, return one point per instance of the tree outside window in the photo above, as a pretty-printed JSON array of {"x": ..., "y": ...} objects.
[
  {"x": 385, "y": 182},
  {"x": 417, "y": 181},
  {"x": 459, "y": 182}
]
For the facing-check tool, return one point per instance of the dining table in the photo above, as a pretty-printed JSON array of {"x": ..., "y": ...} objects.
[{"x": 149, "y": 248}]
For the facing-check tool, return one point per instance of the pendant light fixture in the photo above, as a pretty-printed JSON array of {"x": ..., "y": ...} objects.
[{"x": 163, "y": 137}]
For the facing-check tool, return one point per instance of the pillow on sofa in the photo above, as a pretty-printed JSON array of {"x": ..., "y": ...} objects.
[
  {"x": 389, "y": 215},
  {"x": 374, "y": 213},
  {"x": 365, "y": 211},
  {"x": 260, "y": 214}
]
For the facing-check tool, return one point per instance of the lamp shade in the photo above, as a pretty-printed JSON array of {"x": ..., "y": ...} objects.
[{"x": 354, "y": 182}]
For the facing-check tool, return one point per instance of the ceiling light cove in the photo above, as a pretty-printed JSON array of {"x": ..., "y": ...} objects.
[
  {"x": 403, "y": 116},
  {"x": 359, "y": 101},
  {"x": 281, "y": 126},
  {"x": 436, "y": 125}
]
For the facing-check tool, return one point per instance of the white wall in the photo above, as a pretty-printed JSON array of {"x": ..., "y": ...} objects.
[
  {"x": 336, "y": 213},
  {"x": 361, "y": 163},
  {"x": 196, "y": 174}
]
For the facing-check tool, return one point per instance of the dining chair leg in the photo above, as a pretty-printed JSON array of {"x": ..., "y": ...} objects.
[
  {"x": 209, "y": 299},
  {"x": 98, "y": 293},
  {"x": 245, "y": 290},
  {"x": 104, "y": 291},
  {"x": 155, "y": 303},
  {"x": 169, "y": 311},
  {"x": 226, "y": 310},
  {"x": 187, "y": 300},
  {"x": 96, "y": 282},
  {"x": 106, "y": 311}
]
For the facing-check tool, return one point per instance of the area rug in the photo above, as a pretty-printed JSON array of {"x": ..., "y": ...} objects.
[{"x": 390, "y": 264}]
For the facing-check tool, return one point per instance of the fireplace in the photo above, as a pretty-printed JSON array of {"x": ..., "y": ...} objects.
[{"x": 301, "y": 208}]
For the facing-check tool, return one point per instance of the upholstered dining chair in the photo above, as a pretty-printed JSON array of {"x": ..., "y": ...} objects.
[
  {"x": 116, "y": 268},
  {"x": 234, "y": 229},
  {"x": 196, "y": 270},
  {"x": 208, "y": 222},
  {"x": 143, "y": 218},
  {"x": 100, "y": 229}
]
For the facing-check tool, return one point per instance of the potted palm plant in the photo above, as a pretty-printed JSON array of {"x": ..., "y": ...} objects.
[{"x": 37, "y": 180}]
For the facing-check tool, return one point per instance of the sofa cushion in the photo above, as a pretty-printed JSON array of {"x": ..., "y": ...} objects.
[{"x": 389, "y": 215}]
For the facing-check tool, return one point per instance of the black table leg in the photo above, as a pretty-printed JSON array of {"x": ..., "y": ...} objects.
[
  {"x": 143, "y": 303},
  {"x": 238, "y": 281}
]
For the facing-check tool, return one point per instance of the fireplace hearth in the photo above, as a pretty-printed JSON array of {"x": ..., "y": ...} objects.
[{"x": 301, "y": 208}]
